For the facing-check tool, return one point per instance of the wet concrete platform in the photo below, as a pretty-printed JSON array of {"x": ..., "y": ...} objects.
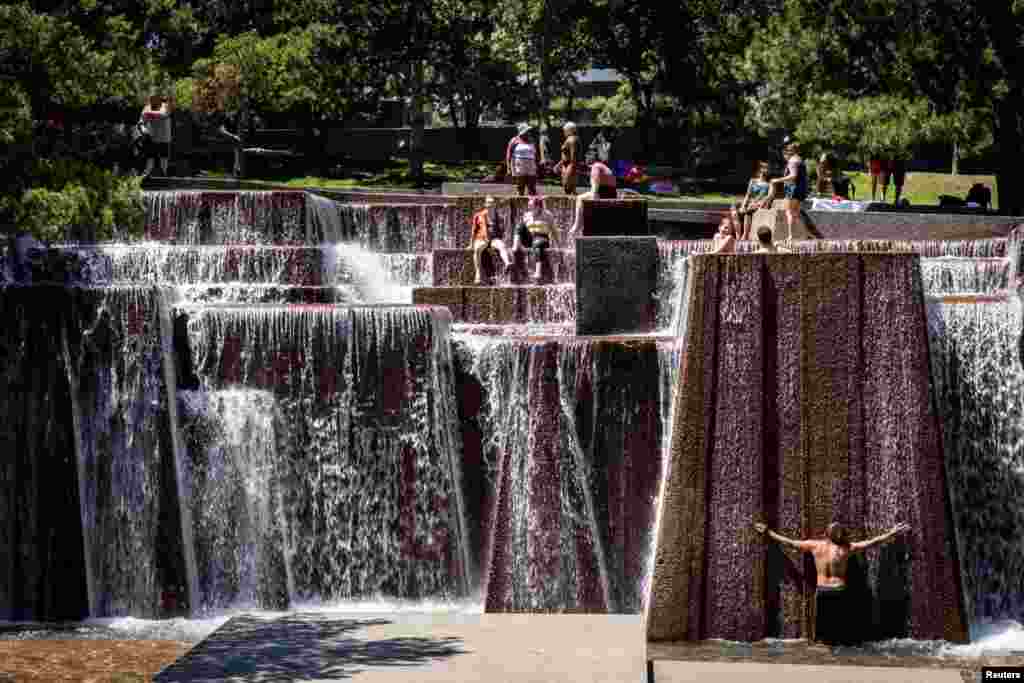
[{"x": 529, "y": 648}]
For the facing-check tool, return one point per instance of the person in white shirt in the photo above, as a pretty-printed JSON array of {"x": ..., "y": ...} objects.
[{"x": 521, "y": 161}]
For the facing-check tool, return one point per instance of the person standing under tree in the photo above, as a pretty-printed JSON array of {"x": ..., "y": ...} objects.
[
  {"x": 831, "y": 556},
  {"x": 570, "y": 155},
  {"x": 156, "y": 121},
  {"x": 521, "y": 160}
]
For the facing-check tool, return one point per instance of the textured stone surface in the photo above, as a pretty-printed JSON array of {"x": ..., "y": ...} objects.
[
  {"x": 614, "y": 217},
  {"x": 454, "y": 267},
  {"x": 564, "y": 437},
  {"x": 616, "y": 279},
  {"x": 803, "y": 398},
  {"x": 509, "y": 304},
  {"x": 775, "y": 220}
]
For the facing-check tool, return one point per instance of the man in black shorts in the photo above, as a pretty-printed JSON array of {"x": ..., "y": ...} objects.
[
  {"x": 831, "y": 557},
  {"x": 536, "y": 231}
]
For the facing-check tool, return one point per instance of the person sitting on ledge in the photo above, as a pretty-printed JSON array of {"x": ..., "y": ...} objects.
[
  {"x": 488, "y": 233},
  {"x": 725, "y": 238},
  {"x": 831, "y": 555},
  {"x": 758, "y": 196},
  {"x": 536, "y": 231},
  {"x": 602, "y": 186}
]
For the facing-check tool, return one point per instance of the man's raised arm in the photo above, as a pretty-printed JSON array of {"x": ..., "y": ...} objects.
[
  {"x": 799, "y": 545},
  {"x": 887, "y": 536}
]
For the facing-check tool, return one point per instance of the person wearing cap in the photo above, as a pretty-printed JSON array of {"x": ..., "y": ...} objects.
[
  {"x": 602, "y": 186},
  {"x": 536, "y": 231},
  {"x": 488, "y": 233},
  {"x": 521, "y": 160},
  {"x": 570, "y": 154},
  {"x": 795, "y": 183},
  {"x": 155, "y": 120}
]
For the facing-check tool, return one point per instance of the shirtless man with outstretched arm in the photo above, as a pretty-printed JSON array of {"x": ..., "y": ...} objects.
[{"x": 831, "y": 556}]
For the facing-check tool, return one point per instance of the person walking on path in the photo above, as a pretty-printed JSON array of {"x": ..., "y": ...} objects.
[
  {"x": 831, "y": 557},
  {"x": 156, "y": 123},
  {"x": 521, "y": 160}
]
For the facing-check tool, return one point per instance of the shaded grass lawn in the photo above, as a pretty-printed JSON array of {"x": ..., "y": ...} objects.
[{"x": 920, "y": 188}]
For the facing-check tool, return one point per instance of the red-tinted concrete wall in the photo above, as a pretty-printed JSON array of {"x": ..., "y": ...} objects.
[{"x": 803, "y": 397}]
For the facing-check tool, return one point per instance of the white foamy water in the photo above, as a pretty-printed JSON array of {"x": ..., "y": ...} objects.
[{"x": 367, "y": 273}]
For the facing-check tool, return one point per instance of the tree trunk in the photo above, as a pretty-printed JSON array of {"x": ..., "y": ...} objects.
[
  {"x": 416, "y": 119},
  {"x": 956, "y": 158},
  {"x": 243, "y": 126},
  {"x": 1008, "y": 138}
]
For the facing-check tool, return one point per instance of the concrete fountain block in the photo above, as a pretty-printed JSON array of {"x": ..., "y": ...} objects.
[
  {"x": 775, "y": 220},
  {"x": 453, "y": 298},
  {"x": 803, "y": 396},
  {"x": 616, "y": 278},
  {"x": 614, "y": 217},
  {"x": 502, "y": 305}
]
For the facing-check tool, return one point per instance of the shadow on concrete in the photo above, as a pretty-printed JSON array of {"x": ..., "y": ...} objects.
[{"x": 299, "y": 647}]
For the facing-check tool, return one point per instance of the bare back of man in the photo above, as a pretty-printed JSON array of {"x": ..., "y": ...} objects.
[
  {"x": 832, "y": 554},
  {"x": 831, "y": 561}
]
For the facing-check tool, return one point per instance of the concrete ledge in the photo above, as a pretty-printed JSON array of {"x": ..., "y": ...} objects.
[
  {"x": 616, "y": 278},
  {"x": 502, "y": 189},
  {"x": 454, "y": 267},
  {"x": 495, "y": 305},
  {"x": 910, "y": 226},
  {"x": 614, "y": 217}
]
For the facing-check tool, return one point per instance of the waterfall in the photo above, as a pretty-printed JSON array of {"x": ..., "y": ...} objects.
[
  {"x": 954, "y": 275},
  {"x": 367, "y": 274},
  {"x": 569, "y": 449},
  {"x": 369, "y": 474},
  {"x": 176, "y": 264},
  {"x": 368, "y": 277},
  {"x": 277, "y": 217},
  {"x": 231, "y": 478},
  {"x": 979, "y": 384},
  {"x": 114, "y": 355}
]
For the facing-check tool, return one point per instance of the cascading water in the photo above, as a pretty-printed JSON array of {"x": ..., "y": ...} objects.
[
  {"x": 365, "y": 276},
  {"x": 951, "y": 275},
  {"x": 569, "y": 437},
  {"x": 979, "y": 384},
  {"x": 231, "y": 481},
  {"x": 226, "y": 217},
  {"x": 369, "y": 478},
  {"x": 114, "y": 355}
]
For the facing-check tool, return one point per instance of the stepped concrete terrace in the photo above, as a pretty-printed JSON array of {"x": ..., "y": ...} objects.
[{"x": 475, "y": 444}]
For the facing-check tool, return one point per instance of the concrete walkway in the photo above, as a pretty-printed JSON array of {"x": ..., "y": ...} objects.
[{"x": 389, "y": 648}]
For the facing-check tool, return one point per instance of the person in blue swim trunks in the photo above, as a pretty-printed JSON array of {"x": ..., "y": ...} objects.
[{"x": 794, "y": 183}]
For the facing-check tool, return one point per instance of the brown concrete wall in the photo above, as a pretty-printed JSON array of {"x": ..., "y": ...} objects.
[{"x": 803, "y": 397}]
